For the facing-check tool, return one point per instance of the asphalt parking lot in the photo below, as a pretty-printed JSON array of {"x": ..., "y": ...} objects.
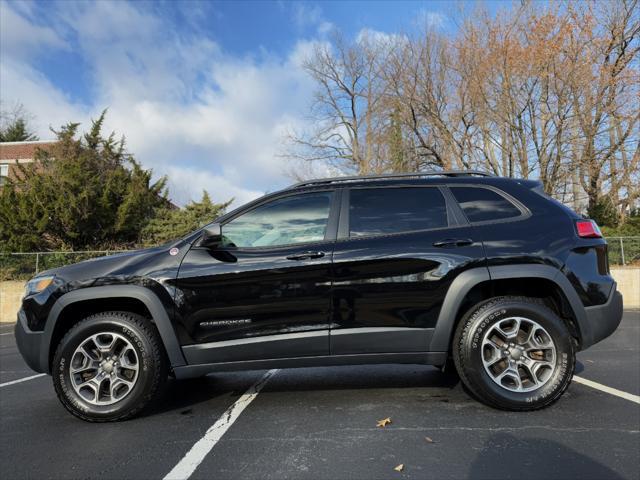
[{"x": 321, "y": 423}]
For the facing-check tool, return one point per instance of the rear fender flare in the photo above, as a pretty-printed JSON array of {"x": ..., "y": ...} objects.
[{"x": 468, "y": 279}]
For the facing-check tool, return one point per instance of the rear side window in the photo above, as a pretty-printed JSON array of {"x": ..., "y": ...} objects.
[
  {"x": 482, "y": 204},
  {"x": 379, "y": 211}
]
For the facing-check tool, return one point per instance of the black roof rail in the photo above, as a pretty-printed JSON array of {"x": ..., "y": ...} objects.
[{"x": 390, "y": 176}]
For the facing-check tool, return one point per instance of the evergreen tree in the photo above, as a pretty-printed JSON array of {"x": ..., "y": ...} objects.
[
  {"x": 85, "y": 192},
  {"x": 169, "y": 224},
  {"x": 604, "y": 213}
]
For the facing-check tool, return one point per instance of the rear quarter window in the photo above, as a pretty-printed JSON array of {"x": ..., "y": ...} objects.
[
  {"x": 540, "y": 191},
  {"x": 483, "y": 205}
]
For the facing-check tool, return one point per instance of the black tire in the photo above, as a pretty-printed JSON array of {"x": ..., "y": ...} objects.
[
  {"x": 151, "y": 358},
  {"x": 467, "y": 353}
]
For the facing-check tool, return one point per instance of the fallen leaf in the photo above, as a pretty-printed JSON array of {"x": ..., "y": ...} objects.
[
  {"x": 399, "y": 468},
  {"x": 383, "y": 422},
  {"x": 429, "y": 439}
]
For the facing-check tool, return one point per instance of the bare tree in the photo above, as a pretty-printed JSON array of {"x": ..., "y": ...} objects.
[
  {"x": 347, "y": 108},
  {"x": 538, "y": 93},
  {"x": 603, "y": 81}
]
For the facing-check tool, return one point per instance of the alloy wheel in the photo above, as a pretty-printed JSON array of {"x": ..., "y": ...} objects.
[
  {"x": 104, "y": 368},
  {"x": 518, "y": 354}
]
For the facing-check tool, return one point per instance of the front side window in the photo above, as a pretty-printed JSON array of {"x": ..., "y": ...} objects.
[
  {"x": 285, "y": 221},
  {"x": 380, "y": 211},
  {"x": 482, "y": 205}
]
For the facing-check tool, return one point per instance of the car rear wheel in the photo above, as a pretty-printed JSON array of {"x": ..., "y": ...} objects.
[
  {"x": 514, "y": 353},
  {"x": 109, "y": 366}
]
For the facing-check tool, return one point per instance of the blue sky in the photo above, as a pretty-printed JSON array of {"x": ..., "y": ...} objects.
[{"x": 205, "y": 92}]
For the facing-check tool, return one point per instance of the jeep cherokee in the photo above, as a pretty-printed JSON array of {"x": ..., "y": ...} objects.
[{"x": 461, "y": 270}]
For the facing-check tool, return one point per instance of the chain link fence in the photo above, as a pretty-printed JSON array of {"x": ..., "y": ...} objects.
[
  {"x": 23, "y": 266},
  {"x": 624, "y": 250}
]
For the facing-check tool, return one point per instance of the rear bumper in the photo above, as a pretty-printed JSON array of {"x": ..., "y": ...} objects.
[
  {"x": 600, "y": 321},
  {"x": 30, "y": 344}
]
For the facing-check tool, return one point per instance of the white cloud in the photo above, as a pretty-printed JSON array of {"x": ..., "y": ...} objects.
[
  {"x": 325, "y": 27},
  {"x": 381, "y": 39},
  {"x": 430, "y": 20},
  {"x": 188, "y": 110},
  {"x": 194, "y": 182},
  {"x": 19, "y": 82},
  {"x": 306, "y": 15},
  {"x": 21, "y": 37}
]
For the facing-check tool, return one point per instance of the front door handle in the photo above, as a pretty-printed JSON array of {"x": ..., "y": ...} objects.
[
  {"x": 453, "y": 242},
  {"x": 305, "y": 255}
]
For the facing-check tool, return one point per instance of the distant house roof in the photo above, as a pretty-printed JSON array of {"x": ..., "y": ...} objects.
[{"x": 22, "y": 150}]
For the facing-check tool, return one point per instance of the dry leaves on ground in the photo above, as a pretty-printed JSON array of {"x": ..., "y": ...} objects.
[{"x": 384, "y": 422}]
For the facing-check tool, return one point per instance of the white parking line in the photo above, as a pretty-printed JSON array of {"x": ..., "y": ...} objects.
[
  {"x": 20, "y": 380},
  {"x": 609, "y": 390},
  {"x": 10, "y": 333},
  {"x": 202, "y": 447}
]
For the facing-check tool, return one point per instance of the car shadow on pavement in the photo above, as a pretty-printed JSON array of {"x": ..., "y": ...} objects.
[
  {"x": 507, "y": 456},
  {"x": 362, "y": 377},
  {"x": 184, "y": 395}
]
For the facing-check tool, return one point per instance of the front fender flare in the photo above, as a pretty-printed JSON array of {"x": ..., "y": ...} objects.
[{"x": 146, "y": 296}]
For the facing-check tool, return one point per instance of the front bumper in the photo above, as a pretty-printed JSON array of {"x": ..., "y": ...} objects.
[
  {"x": 31, "y": 345},
  {"x": 602, "y": 320}
]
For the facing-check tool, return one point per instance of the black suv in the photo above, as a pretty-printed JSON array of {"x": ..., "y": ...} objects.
[{"x": 460, "y": 270}]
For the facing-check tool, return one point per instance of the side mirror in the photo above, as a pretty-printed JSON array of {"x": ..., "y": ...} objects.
[{"x": 211, "y": 236}]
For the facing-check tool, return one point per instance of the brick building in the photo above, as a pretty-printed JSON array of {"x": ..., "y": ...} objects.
[{"x": 18, "y": 152}]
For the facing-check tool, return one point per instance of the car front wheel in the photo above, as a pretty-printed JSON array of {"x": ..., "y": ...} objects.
[{"x": 109, "y": 366}]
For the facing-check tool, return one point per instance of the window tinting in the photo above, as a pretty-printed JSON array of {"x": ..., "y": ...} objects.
[
  {"x": 482, "y": 204},
  {"x": 297, "y": 219},
  {"x": 376, "y": 211}
]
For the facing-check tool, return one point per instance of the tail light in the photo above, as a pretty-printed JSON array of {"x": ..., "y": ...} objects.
[{"x": 588, "y": 229}]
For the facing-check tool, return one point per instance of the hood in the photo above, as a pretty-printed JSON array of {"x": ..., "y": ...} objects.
[{"x": 128, "y": 267}]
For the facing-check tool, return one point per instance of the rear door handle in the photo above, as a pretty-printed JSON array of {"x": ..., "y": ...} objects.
[
  {"x": 305, "y": 255},
  {"x": 453, "y": 242}
]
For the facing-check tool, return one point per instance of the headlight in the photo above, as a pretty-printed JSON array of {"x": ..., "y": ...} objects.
[{"x": 37, "y": 285}]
